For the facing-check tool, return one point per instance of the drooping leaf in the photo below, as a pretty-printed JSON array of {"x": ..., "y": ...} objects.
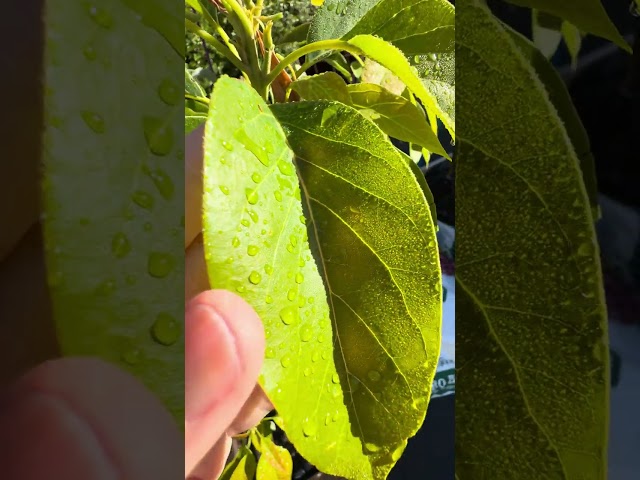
[
  {"x": 587, "y": 15},
  {"x": 561, "y": 100},
  {"x": 275, "y": 463},
  {"x": 113, "y": 189},
  {"x": 433, "y": 96},
  {"x": 531, "y": 340},
  {"x": 351, "y": 308},
  {"x": 396, "y": 116},
  {"x": 329, "y": 85}
]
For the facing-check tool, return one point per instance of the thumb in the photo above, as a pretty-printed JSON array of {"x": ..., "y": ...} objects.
[{"x": 224, "y": 351}]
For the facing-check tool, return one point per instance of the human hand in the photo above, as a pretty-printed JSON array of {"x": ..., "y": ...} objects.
[{"x": 209, "y": 343}]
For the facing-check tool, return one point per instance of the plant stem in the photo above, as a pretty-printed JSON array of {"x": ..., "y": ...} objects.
[
  {"x": 310, "y": 48},
  {"x": 202, "y": 100},
  {"x": 244, "y": 28},
  {"x": 215, "y": 43},
  {"x": 219, "y": 30}
]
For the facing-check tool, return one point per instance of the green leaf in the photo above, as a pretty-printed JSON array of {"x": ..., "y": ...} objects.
[
  {"x": 191, "y": 122},
  {"x": 561, "y": 99},
  {"x": 396, "y": 116},
  {"x": 573, "y": 39},
  {"x": 327, "y": 85},
  {"x": 343, "y": 296},
  {"x": 416, "y": 27},
  {"x": 531, "y": 338},
  {"x": 242, "y": 467},
  {"x": 192, "y": 87},
  {"x": 434, "y": 98},
  {"x": 113, "y": 206},
  {"x": 587, "y": 15},
  {"x": 297, "y": 34},
  {"x": 275, "y": 462},
  {"x": 546, "y": 35}
]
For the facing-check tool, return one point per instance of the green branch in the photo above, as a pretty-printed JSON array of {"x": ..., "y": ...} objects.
[{"x": 310, "y": 48}]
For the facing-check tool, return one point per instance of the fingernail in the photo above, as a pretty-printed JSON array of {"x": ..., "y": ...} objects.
[
  {"x": 42, "y": 437},
  {"x": 211, "y": 360}
]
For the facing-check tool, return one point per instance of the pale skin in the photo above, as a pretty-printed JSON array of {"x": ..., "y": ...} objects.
[{"x": 79, "y": 418}]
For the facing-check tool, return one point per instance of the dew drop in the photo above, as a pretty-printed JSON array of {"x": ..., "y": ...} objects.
[
  {"x": 269, "y": 299},
  {"x": 299, "y": 278},
  {"x": 257, "y": 151},
  {"x": 303, "y": 220},
  {"x": 256, "y": 177},
  {"x": 290, "y": 248},
  {"x": 224, "y": 189},
  {"x": 254, "y": 216},
  {"x": 270, "y": 352},
  {"x": 120, "y": 245},
  {"x": 252, "y": 250},
  {"x": 143, "y": 199},
  {"x": 335, "y": 378},
  {"x": 315, "y": 356},
  {"x": 94, "y": 121},
  {"x": 100, "y": 17},
  {"x": 268, "y": 269},
  {"x": 106, "y": 288},
  {"x": 294, "y": 240},
  {"x": 227, "y": 146},
  {"x": 288, "y": 315},
  {"x": 371, "y": 447},
  {"x": 131, "y": 356},
  {"x": 158, "y": 134},
  {"x": 374, "y": 376},
  {"x": 241, "y": 289},
  {"x": 306, "y": 333},
  {"x": 307, "y": 372},
  {"x": 291, "y": 294},
  {"x": 166, "y": 329},
  {"x": 255, "y": 277},
  {"x": 160, "y": 264},
  {"x": 309, "y": 428},
  {"x": 584, "y": 250},
  {"x": 245, "y": 222},
  {"x": 89, "y": 52},
  {"x": 162, "y": 182},
  {"x": 252, "y": 196},
  {"x": 286, "y": 168},
  {"x": 285, "y": 361},
  {"x": 278, "y": 195},
  {"x": 168, "y": 92}
]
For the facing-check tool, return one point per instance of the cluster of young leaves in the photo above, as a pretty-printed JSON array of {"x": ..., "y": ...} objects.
[
  {"x": 328, "y": 231},
  {"x": 531, "y": 341}
]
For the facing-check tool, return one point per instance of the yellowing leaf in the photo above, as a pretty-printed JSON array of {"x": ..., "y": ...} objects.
[{"x": 275, "y": 462}]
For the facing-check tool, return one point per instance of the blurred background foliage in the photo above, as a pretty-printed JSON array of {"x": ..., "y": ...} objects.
[{"x": 206, "y": 65}]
